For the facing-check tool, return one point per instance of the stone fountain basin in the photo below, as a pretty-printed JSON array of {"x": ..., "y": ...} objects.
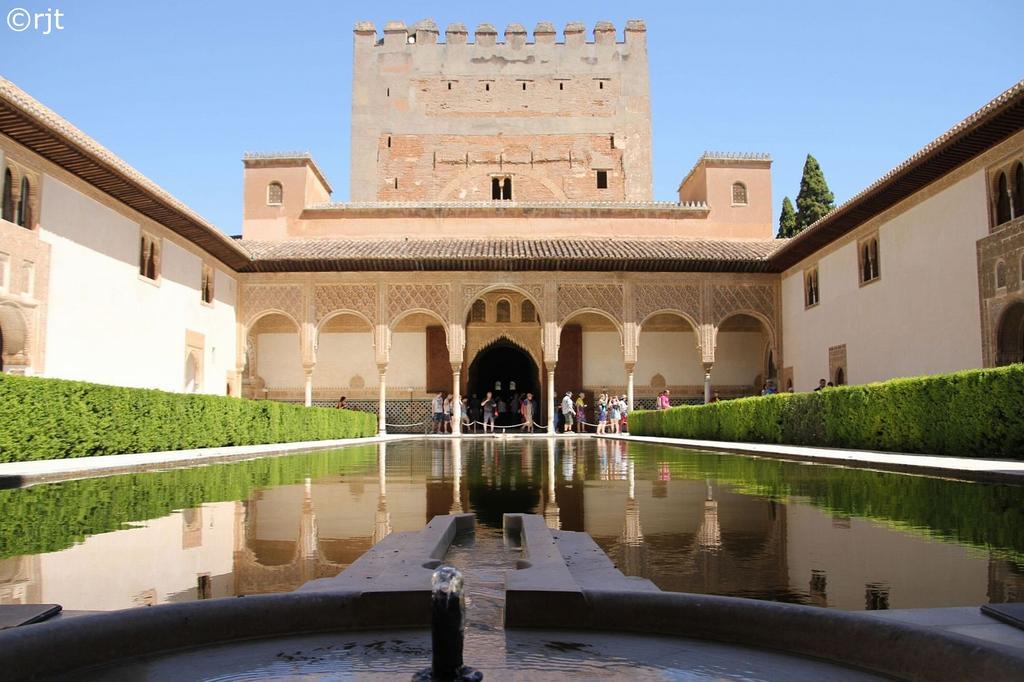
[{"x": 672, "y": 635}]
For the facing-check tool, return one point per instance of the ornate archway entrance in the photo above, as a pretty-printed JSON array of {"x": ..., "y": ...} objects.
[{"x": 504, "y": 369}]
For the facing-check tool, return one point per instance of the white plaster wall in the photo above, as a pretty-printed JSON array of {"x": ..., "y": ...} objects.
[
  {"x": 917, "y": 569},
  {"x": 408, "y": 365},
  {"x": 108, "y": 570},
  {"x": 107, "y": 325},
  {"x": 279, "y": 360},
  {"x": 673, "y": 355},
  {"x": 340, "y": 356},
  {"x": 739, "y": 358},
  {"x": 921, "y": 317},
  {"x": 603, "y": 364}
]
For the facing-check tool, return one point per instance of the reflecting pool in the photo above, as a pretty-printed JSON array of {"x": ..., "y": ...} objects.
[{"x": 689, "y": 521}]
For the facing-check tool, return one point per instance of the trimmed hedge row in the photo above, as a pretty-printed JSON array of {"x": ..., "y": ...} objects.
[
  {"x": 974, "y": 413},
  {"x": 55, "y": 419}
]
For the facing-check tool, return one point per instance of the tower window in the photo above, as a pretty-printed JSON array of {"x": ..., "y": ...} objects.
[
  {"x": 449, "y": 85},
  {"x": 1018, "y": 190},
  {"x": 24, "y": 219},
  {"x": 524, "y": 85},
  {"x": 387, "y": 93},
  {"x": 396, "y": 183},
  {"x": 8, "y": 197},
  {"x": 1002, "y": 200},
  {"x": 501, "y": 188},
  {"x": 389, "y": 142},
  {"x": 487, "y": 87},
  {"x": 602, "y": 179},
  {"x": 561, "y": 86},
  {"x": 600, "y": 85},
  {"x": 739, "y": 194},
  {"x": 275, "y": 194}
]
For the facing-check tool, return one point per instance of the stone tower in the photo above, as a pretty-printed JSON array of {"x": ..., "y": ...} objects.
[{"x": 537, "y": 121}]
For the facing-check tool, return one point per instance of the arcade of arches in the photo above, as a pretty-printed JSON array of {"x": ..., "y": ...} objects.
[{"x": 394, "y": 337}]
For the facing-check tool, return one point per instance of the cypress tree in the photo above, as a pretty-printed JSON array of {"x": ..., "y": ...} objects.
[
  {"x": 815, "y": 198},
  {"x": 787, "y": 220}
]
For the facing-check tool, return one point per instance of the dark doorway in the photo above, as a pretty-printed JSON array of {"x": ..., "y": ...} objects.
[
  {"x": 1010, "y": 336},
  {"x": 503, "y": 368}
]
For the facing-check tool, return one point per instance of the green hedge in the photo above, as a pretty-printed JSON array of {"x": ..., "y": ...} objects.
[
  {"x": 975, "y": 413},
  {"x": 54, "y": 419}
]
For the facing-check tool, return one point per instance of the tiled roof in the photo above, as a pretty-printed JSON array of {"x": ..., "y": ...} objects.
[
  {"x": 651, "y": 255},
  {"x": 985, "y": 128},
  {"x": 30, "y": 123}
]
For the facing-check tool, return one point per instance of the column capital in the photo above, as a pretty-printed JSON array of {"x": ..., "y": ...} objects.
[
  {"x": 382, "y": 368},
  {"x": 707, "y": 367},
  {"x": 630, "y": 366},
  {"x": 456, "y": 366},
  {"x": 308, "y": 367}
]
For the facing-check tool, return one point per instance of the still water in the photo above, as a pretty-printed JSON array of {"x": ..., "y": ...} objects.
[{"x": 689, "y": 521}]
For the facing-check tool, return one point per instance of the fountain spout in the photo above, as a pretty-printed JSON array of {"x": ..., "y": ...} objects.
[{"x": 448, "y": 629}]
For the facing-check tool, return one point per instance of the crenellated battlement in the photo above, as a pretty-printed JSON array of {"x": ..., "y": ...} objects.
[
  {"x": 396, "y": 34},
  {"x": 472, "y": 114}
]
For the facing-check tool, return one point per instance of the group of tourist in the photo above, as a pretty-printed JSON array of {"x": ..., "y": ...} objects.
[
  {"x": 610, "y": 413},
  {"x": 515, "y": 410}
]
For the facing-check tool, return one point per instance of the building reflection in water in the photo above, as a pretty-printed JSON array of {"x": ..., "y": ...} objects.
[
  {"x": 382, "y": 518},
  {"x": 657, "y": 514},
  {"x": 551, "y": 511}
]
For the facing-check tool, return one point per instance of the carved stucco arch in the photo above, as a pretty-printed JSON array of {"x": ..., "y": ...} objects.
[
  {"x": 534, "y": 350},
  {"x": 460, "y": 180},
  {"x": 597, "y": 311},
  {"x": 471, "y": 294},
  {"x": 766, "y": 323},
  {"x": 255, "y": 318},
  {"x": 413, "y": 311},
  {"x": 327, "y": 317},
  {"x": 686, "y": 317}
]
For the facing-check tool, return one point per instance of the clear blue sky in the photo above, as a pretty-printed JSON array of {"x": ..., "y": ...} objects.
[{"x": 181, "y": 89}]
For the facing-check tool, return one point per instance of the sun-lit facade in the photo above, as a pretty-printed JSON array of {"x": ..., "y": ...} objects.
[{"x": 501, "y": 235}]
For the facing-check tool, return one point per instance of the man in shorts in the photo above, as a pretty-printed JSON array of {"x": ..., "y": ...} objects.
[
  {"x": 567, "y": 412},
  {"x": 437, "y": 408}
]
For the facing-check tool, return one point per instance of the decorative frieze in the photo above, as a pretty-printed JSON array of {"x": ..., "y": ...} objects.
[
  {"x": 405, "y": 297},
  {"x": 331, "y": 298}
]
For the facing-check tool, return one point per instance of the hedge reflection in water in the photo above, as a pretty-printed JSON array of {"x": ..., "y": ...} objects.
[{"x": 691, "y": 521}]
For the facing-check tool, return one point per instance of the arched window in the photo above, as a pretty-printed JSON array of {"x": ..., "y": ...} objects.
[
  {"x": 811, "y": 294},
  {"x": 1002, "y": 200},
  {"x": 479, "y": 311},
  {"x": 503, "y": 311},
  {"x": 1000, "y": 275},
  {"x": 528, "y": 313},
  {"x": 739, "y": 194},
  {"x": 275, "y": 194},
  {"x": 1018, "y": 190},
  {"x": 840, "y": 377},
  {"x": 8, "y": 197},
  {"x": 870, "y": 268},
  {"x": 24, "y": 212}
]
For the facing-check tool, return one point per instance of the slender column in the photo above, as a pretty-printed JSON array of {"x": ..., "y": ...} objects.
[
  {"x": 456, "y": 399},
  {"x": 707, "y": 383},
  {"x": 308, "y": 371},
  {"x": 551, "y": 399},
  {"x": 630, "y": 366},
  {"x": 382, "y": 370}
]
